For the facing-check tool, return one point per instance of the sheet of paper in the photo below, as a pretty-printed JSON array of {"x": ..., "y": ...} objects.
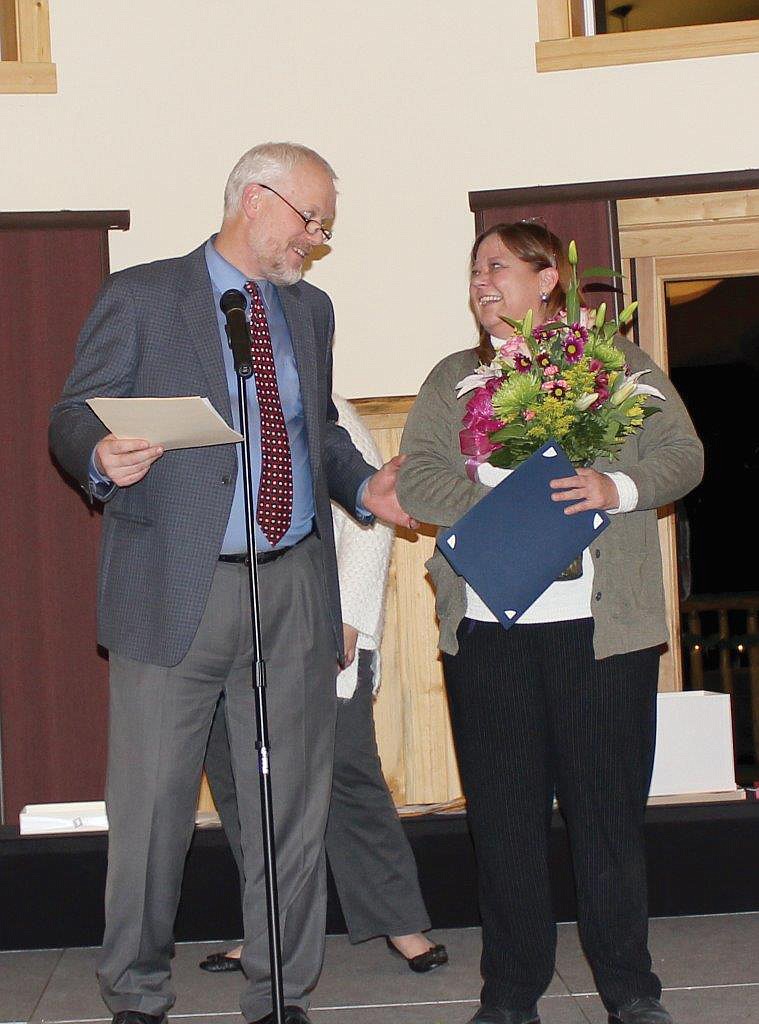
[{"x": 170, "y": 422}]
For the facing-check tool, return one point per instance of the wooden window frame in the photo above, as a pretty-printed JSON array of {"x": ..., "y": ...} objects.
[
  {"x": 563, "y": 45},
  {"x": 25, "y": 36}
]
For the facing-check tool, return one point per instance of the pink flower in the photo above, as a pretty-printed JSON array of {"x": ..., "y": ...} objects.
[
  {"x": 528, "y": 415},
  {"x": 513, "y": 347},
  {"x": 550, "y": 371},
  {"x": 595, "y": 365},
  {"x": 555, "y": 388}
]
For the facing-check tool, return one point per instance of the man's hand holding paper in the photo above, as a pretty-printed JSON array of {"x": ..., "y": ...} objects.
[{"x": 125, "y": 460}]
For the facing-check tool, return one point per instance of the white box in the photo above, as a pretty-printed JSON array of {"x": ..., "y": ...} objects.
[
  {"x": 47, "y": 819},
  {"x": 81, "y": 816},
  {"x": 694, "y": 744}
]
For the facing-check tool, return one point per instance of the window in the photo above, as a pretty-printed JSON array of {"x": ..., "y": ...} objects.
[
  {"x": 25, "y": 63},
  {"x": 566, "y": 25}
]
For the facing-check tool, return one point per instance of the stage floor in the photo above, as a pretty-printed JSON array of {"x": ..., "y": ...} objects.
[{"x": 708, "y": 965}]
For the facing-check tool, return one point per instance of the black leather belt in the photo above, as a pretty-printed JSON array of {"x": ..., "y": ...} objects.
[{"x": 262, "y": 557}]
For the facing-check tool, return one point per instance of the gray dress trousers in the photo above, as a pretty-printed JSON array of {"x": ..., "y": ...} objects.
[{"x": 371, "y": 860}]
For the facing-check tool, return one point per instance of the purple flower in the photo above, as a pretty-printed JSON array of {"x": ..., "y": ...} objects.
[
  {"x": 476, "y": 442},
  {"x": 603, "y": 396},
  {"x": 574, "y": 343},
  {"x": 522, "y": 364},
  {"x": 479, "y": 417},
  {"x": 543, "y": 359}
]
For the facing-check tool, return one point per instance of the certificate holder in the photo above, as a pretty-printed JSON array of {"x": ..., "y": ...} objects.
[{"x": 517, "y": 540}]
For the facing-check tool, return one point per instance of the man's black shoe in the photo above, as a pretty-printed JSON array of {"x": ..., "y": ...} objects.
[
  {"x": 486, "y": 1015},
  {"x": 645, "y": 1010},
  {"x": 293, "y": 1015},
  {"x": 135, "y": 1017}
]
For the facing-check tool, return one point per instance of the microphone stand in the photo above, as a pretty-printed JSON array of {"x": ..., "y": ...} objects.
[{"x": 244, "y": 370}]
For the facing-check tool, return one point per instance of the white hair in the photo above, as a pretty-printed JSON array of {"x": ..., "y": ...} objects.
[{"x": 267, "y": 164}]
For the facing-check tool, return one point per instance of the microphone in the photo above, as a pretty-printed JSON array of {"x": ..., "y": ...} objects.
[{"x": 232, "y": 304}]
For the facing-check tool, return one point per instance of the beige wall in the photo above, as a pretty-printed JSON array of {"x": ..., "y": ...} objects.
[{"x": 415, "y": 102}]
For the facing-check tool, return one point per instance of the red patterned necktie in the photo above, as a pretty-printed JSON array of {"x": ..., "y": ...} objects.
[{"x": 274, "y": 507}]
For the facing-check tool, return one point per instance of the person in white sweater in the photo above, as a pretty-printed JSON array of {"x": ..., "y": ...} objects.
[{"x": 372, "y": 863}]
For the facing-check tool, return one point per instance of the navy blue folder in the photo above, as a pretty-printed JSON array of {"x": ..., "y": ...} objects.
[{"x": 516, "y": 541}]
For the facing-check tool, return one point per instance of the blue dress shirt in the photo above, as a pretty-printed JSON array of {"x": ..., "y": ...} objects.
[{"x": 224, "y": 276}]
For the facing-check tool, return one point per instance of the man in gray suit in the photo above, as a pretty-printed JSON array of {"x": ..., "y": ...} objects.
[{"x": 173, "y": 595}]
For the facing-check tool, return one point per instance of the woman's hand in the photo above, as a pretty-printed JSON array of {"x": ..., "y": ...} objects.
[
  {"x": 350, "y": 638},
  {"x": 588, "y": 490}
]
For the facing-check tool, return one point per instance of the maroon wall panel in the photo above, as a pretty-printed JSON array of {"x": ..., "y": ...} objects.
[{"x": 53, "y": 681}]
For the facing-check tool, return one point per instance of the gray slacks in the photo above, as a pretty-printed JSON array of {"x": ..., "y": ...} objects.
[
  {"x": 160, "y": 720},
  {"x": 372, "y": 863}
]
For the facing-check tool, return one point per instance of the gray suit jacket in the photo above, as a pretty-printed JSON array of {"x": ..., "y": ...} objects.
[{"x": 153, "y": 332}]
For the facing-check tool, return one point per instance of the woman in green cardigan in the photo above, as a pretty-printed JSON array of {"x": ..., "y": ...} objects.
[{"x": 564, "y": 702}]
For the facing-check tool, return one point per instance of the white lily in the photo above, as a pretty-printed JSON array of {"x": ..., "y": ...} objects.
[
  {"x": 645, "y": 389},
  {"x": 478, "y": 379},
  {"x": 633, "y": 387},
  {"x": 586, "y": 401}
]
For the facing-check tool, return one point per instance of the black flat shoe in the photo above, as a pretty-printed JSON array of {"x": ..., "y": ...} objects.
[
  {"x": 217, "y": 962},
  {"x": 428, "y": 961}
]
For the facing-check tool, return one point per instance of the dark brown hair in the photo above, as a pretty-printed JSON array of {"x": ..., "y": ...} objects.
[{"x": 533, "y": 243}]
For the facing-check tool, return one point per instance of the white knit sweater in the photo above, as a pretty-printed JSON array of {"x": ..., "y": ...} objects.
[{"x": 363, "y": 560}]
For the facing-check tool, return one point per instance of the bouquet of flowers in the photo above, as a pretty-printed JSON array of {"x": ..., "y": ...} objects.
[{"x": 565, "y": 380}]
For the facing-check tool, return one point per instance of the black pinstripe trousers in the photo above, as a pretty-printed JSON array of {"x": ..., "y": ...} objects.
[{"x": 534, "y": 713}]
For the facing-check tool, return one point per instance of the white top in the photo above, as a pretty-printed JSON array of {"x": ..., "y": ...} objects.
[
  {"x": 569, "y": 599},
  {"x": 363, "y": 561}
]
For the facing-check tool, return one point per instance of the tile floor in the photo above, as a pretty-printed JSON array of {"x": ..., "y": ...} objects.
[{"x": 709, "y": 966}]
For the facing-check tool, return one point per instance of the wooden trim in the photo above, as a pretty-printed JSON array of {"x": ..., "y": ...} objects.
[
  {"x": 25, "y": 37},
  {"x": 17, "y": 77},
  {"x": 722, "y": 222},
  {"x": 655, "y": 264},
  {"x": 714, "y": 206},
  {"x": 33, "y": 30},
  {"x": 623, "y": 188},
  {"x": 379, "y": 413},
  {"x": 679, "y": 239},
  {"x": 617, "y": 48},
  {"x": 8, "y": 33},
  {"x": 560, "y": 19},
  {"x": 108, "y": 220},
  {"x": 706, "y": 265}
]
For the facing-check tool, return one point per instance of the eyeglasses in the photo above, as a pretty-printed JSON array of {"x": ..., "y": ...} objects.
[{"x": 313, "y": 227}]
